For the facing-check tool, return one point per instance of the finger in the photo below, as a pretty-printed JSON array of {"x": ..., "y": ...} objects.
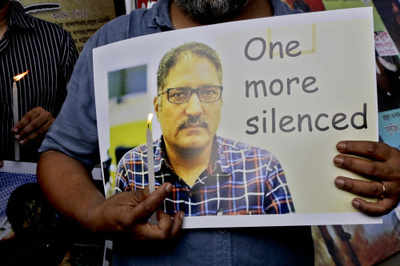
[
  {"x": 1, "y": 163},
  {"x": 152, "y": 202},
  {"x": 364, "y": 167},
  {"x": 38, "y": 132},
  {"x": 45, "y": 127},
  {"x": 140, "y": 195},
  {"x": 168, "y": 227},
  {"x": 378, "y": 208},
  {"x": 26, "y": 119},
  {"x": 33, "y": 125},
  {"x": 171, "y": 225},
  {"x": 165, "y": 223},
  {"x": 360, "y": 187},
  {"x": 370, "y": 149},
  {"x": 148, "y": 231},
  {"x": 177, "y": 224}
]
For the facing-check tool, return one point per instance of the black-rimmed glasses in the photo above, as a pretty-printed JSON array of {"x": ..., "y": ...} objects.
[{"x": 206, "y": 94}]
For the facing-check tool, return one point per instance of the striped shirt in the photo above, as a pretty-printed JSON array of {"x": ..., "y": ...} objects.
[
  {"x": 239, "y": 180},
  {"x": 48, "y": 52}
]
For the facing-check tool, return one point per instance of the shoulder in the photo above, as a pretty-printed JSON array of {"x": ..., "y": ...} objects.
[
  {"x": 138, "y": 153},
  {"x": 238, "y": 150},
  {"x": 49, "y": 30},
  {"x": 123, "y": 27},
  {"x": 112, "y": 31}
]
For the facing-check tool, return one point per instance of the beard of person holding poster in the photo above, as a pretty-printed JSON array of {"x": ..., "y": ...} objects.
[
  {"x": 71, "y": 148},
  {"x": 211, "y": 175}
]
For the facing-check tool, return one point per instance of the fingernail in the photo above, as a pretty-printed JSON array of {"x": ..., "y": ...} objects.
[
  {"x": 356, "y": 204},
  {"x": 168, "y": 188},
  {"x": 17, "y": 136},
  {"x": 338, "y": 160},
  {"x": 341, "y": 146},
  {"x": 182, "y": 215},
  {"x": 22, "y": 142},
  {"x": 339, "y": 182}
]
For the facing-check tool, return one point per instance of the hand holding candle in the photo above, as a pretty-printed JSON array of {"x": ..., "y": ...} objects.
[{"x": 33, "y": 125}]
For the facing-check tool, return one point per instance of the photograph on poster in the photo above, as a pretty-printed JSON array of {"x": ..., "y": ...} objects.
[{"x": 246, "y": 117}]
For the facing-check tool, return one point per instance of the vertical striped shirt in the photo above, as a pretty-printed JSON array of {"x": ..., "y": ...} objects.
[
  {"x": 48, "y": 52},
  {"x": 240, "y": 180}
]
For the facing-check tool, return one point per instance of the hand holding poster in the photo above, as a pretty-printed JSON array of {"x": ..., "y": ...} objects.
[{"x": 248, "y": 115}]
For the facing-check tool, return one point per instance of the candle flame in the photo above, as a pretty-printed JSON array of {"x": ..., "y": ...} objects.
[
  {"x": 149, "y": 118},
  {"x": 20, "y": 76}
]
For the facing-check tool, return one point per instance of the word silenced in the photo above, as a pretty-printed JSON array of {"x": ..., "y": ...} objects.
[
  {"x": 272, "y": 122},
  {"x": 269, "y": 122}
]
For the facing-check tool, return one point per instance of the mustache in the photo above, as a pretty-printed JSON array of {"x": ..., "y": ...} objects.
[{"x": 193, "y": 121}]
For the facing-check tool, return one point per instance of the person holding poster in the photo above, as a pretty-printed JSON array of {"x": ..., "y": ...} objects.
[
  {"x": 190, "y": 156},
  {"x": 71, "y": 149}
]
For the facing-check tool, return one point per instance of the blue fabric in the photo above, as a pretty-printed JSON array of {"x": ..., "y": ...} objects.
[
  {"x": 75, "y": 134},
  {"x": 242, "y": 246},
  {"x": 8, "y": 183}
]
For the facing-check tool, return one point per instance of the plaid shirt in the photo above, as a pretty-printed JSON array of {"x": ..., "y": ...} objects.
[{"x": 239, "y": 180}]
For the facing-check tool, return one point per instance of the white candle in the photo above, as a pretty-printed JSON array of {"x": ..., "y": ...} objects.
[
  {"x": 150, "y": 155},
  {"x": 15, "y": 117},
  {"x": 16, "y": 112},
  {"x": 150, "y": 161}
]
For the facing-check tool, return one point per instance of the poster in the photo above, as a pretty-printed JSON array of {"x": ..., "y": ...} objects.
[
  {"x": 82, "y": 18},
  {"x": 288, "y": 98}
]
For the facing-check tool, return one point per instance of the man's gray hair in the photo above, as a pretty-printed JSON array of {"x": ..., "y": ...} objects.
[{"x": 171, "y": 58}]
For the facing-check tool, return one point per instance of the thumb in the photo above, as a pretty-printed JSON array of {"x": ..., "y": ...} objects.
[{"x": 152, "y": 202}]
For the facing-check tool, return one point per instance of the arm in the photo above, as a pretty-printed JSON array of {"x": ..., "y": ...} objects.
[
  {"x": 67, "y": 185},
  {"x": 376, "y": 161}
]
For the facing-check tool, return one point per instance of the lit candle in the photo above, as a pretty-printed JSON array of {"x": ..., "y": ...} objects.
[
  {"x": 150, "y": 155},
  {"x": 16, "y": 112},
  {"x": 150, "y": 161}
]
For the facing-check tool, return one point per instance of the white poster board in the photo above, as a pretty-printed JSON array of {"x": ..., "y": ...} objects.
[{"x": 296, "y": 103}]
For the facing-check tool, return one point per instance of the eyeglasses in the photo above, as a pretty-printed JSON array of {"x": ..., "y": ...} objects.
[{"x": 206, "y": 94}]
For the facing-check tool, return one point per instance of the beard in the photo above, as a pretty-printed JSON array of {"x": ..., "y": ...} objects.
[
  {"x": 211, "y": 11},
  {"x": 3, "y": 3}
]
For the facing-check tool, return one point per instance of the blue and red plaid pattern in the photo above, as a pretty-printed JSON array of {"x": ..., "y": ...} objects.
[{"x": 239, "y": 180}]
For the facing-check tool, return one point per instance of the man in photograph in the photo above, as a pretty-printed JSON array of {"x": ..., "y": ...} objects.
[{"x": 211, "y": 175}]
